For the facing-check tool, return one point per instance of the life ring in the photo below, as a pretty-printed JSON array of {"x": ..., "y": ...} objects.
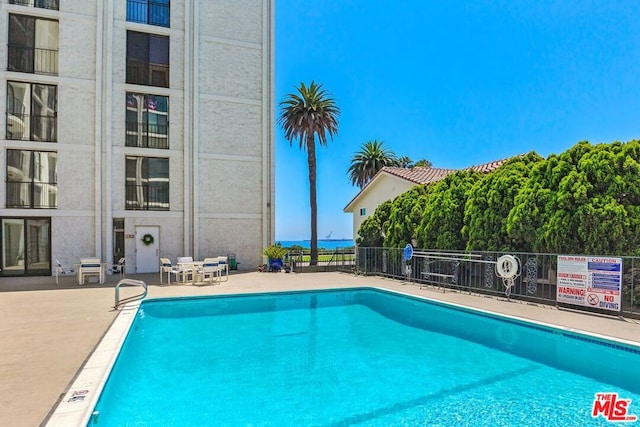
[{"x": 507, "y": 267}]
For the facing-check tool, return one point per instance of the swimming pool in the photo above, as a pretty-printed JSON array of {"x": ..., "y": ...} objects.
[{"x": 355, "y": 357}]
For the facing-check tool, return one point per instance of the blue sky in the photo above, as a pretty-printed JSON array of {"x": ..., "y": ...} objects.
[{"x": 458, "y": 82}]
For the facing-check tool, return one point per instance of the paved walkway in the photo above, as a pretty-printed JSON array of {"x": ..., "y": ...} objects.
[{"x": 47, "y": 331}]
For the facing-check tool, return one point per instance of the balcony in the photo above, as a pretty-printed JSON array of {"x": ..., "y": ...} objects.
[
  {"x": 36, "y": 195},
  {"x": 147, "y": 135},
  {"x": 145, "y": 73},
  {"x": 32, "y": 60},
  {"x": 148, "y": 12},
  {"x": 153, "y": 196},
  {"x": 28, "y": 127},
  {"x": 43, "y": 4}
]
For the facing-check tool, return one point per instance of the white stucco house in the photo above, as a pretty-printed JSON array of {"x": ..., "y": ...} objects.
[
  {"x": 125, "y": 119},
  {"x": 390, "y": 182}
]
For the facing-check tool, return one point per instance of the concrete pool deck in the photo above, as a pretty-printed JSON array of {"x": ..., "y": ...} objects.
[{"x": 48, "y": 331}]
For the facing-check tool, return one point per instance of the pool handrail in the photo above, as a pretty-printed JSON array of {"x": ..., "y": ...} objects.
[{"x": 131, "y": 282}]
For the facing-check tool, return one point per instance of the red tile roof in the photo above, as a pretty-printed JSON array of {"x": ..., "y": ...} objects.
[
  {"x": 491, "y": 166},
  {"x": 419, "y": 175},
  {"x": 430, "y": 175}
]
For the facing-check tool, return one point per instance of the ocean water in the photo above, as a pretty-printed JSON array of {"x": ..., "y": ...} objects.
[{"x": 322, "y": 244}]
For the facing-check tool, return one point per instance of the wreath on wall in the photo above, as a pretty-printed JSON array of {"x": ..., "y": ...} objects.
[{"x": 147, "y": 239}]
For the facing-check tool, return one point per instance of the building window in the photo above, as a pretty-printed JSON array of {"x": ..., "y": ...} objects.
[
  {"x": 363, "y": 211},
  {"x": 44, "y": 4},
  {"x": 32, "y": 111},
  {"x": 26, "y": 246},
  {"x": 33, "y": 45},
  {"x": 32, "y": 179},
  {"x": 147, "y": 183},
  {"x": 152, "y": 12},
  {"x": 147, "y": 123},
  {"x": 147, "y": 59}
]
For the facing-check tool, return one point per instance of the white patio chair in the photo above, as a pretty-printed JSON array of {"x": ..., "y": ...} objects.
[
  {"x": 224, "y": 267},
  {"x": 119, "y": 267},
  {"x": 210, "y": 270},
  {"x": 166, "y": 267},
  {"x": 186, "y": 269},
  {"x": 59, "y": 270}
]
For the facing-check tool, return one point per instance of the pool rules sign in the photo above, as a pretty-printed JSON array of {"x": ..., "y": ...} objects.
[{"x": 590, "y": 281}]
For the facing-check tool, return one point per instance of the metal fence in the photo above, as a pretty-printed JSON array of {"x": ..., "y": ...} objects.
[
  {"x": 475, "y": 272},
  {"x": 328, "y": 260}
]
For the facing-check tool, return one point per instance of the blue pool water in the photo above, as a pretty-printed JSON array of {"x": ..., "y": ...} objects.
[{"x": 354, "y": 357}]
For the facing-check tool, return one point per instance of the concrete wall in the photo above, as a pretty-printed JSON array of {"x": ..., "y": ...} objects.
[
  {"x": 384, "y": 188},
  {"x": 220, "y": 132}
]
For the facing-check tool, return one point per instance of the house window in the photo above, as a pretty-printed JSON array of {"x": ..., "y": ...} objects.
[
  {"x": 33, "y": 45},
  {"x": 32, "y": 179},
  {"x": 147, "y": 183},
  {"x": 26, "y": 246},
  {"x": 147, "y": 59},
  {"x": 147, "y": 122},
  {"x": 152, "y": 12},
  {"x": 32, "y": 111},
  {"x": 363, "y": 211},
  {"x": 44, "y": 4}
]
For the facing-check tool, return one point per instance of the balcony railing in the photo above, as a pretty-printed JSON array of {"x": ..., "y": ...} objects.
[
  {"x": 43, "y": 4},
  {"x": 36, "y": 195},
  {"x": 148, "y": 135},
  {"x": 153, "y": 196},
  {"x": 145, "y": 73},
  {"x": 27, "y": 127},
  {"x": 148, "y": 12},
  {"x": 33, "y": 60}
]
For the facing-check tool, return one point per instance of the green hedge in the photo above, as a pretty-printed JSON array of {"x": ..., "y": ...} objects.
[{"x": 585, "y": 200}]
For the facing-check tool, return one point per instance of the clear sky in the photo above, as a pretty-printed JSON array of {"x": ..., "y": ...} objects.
[{"x": 456, "y": 82}]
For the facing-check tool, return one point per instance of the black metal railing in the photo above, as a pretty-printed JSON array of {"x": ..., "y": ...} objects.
[
  {"x": 153, "y": 196},
  {"x": 32, "y": 60},
  {"x": 342, "y": 259},
  {"x": 475, "y": 272},
  {"x": 37, "y": 195},
  {"x": 14, "y": 104},
  {"x": 28, "y": 127},
  {"x": 148, "y": 135},
  {"x": 149, "y": 12},
  {"x": 146, "y": 73},
  {"x": 43, "y": 4}
]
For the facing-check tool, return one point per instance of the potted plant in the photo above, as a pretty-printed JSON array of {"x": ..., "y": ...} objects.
[{"x": 275, "y": 254}]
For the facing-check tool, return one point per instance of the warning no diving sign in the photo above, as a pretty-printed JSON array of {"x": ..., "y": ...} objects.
[{"x": 590, "y": 281}]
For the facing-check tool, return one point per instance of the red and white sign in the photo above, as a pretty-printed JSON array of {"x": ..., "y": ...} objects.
[
  {"x": 612, "y": 408},
  {"x": 590, "y": 281}
]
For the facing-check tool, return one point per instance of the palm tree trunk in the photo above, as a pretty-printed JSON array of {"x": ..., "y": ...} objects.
[{"x": 311, "y": 160}]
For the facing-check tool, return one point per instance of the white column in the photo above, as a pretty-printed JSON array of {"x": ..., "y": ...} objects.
[{"x": 268, "y": 160}]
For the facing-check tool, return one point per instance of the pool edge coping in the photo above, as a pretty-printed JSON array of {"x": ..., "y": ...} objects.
[
  {"x": 76, "y": 405},
  {"x": 78, "y": 402}
]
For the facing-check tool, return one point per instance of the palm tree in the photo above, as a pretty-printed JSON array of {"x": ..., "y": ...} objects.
[
  {"x": 403, "y": 162},
  {"x": 422, "y": 163},
  {"x": 407, "y": 163},
  {"x": 372, "y": 157},
  {"x": 305, "y": 115}
]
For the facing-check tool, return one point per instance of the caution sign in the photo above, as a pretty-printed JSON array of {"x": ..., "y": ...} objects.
[{"x": 590, "y": 281}]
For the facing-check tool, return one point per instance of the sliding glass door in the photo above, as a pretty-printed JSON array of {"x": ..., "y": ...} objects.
[{"x": 26, "y": 247}]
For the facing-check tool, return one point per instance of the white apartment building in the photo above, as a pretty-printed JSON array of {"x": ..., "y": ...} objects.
[{"x": 137, "y": 129}]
